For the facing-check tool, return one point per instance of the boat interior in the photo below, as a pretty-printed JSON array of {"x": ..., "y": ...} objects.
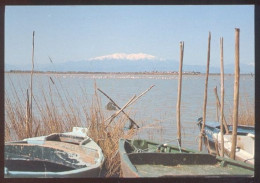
[
  {"x": 182, "y": 164},
  {"x": 56, "y": 153},
  {"x": 140, "y": 145}
]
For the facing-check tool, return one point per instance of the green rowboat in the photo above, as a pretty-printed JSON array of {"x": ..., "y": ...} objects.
[{"x": 141, "y": 158}]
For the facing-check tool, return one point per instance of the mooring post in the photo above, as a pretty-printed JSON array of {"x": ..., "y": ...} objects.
[
  {"x": 222, "y": 97},
  {"x": 178, "y": 106},
  {"x": 27, "y": 120},
  {"x": 219, "y": 106},
  {"x": 205, "y": 95},
  {"x": 31, "y": 87},
  {"x": 236, "y": 96}
]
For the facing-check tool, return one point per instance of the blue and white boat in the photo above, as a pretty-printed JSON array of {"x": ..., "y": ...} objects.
[
  {"x": 59, "y": 155},
  {"x": 212, "y": 129},
  {"x": 245, "y": 148}
]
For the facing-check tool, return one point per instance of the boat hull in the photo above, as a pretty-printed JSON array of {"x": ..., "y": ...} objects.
[
  {"x": 71, "y": 154},
  {"x": 176, "y": 164},
  {"x": 126, "y": 146},
  {"x": 245, "y": 149},
  {"x": 212, "y": 128}
]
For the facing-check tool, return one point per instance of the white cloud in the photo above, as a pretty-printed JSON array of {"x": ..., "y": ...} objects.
[{"x": 119, "y": 56}]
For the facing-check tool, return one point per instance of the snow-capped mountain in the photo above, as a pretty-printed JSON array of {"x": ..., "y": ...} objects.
[{"x": 122, "y": 62}]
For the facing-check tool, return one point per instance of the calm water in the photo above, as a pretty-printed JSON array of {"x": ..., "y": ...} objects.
[{"x": 157, "y": 106}]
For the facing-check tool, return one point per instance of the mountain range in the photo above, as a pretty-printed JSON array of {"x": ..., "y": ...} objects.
[{"x": 126, "y": 63}]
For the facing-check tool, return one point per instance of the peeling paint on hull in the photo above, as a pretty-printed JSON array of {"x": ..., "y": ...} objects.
[{"x": 61, "y": 155}]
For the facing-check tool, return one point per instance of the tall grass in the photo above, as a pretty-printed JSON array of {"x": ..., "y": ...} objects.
[
  {"x": 107, "y": 136},
  {"x": 48, "y": 116},
  {"x": 246, "y": 115},
  {"x": 55, "y": 110}
]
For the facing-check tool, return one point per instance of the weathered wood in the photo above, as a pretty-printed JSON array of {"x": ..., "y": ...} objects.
[
  {"x": 219, "y": 106},
  {"x": 142, "y": 94},
  {"x": 236, "y": 96},
  {"x": 112, "y": 117},
  {"x": 222, "y": 97},
  {"x": 134, "y": 99},
  {"x": 31, "y": 87},
  {"x": 52, "y": 80},
  {"x": 27, "y": 120},
  {"x": 167, "y": 161},
  {"x": 131, "y": 120},
  {"x": 178, "y": 105},
  {"x": 205, "y": 95},
  {"x": 216, "y": 147},
  {"x": 139, "y": 97}
]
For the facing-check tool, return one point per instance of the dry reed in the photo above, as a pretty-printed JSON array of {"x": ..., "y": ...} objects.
[
  {"x": 56, "y": 111},
  {"x": 246, "y": 115}
]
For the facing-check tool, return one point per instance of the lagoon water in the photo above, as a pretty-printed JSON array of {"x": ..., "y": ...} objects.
[{"x": 157, "y": 107}]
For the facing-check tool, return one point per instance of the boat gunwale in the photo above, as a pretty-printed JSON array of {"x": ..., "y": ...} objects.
[
  {"x": 98, "y": 162},
  {"x": 126, "y": 160}
]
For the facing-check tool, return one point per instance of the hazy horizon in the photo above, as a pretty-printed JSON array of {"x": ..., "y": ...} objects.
[{"x": 134, "y": 33}]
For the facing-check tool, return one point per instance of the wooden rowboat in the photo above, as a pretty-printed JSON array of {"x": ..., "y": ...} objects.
[
  {"x": 245, "y": 149},
  {"x": 141, "y": 158},
  {"x": 212, "y": 128},
  {"x": 60, "y": 155}
]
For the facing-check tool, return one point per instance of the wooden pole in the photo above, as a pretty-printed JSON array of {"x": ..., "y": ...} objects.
[
  {"x": 112, "y": 117},
  {"x": 31, "y": 94},
  {"x": 141, "y": 94},
  {"x": 27, "y": 113},
  {"x": 222, "y": 97},
  {"x": 216, "y": 147},
  {"x": 134, "y": 99},
  {"x": 131, "y": 120},
  {"x": 236, "y": 96},
  {"x": 205, "y": 95},
  {"x": 178, "y": 105},
  {"x": 219, "y": 106}
]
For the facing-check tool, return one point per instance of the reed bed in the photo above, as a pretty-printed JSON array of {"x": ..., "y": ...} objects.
[
  {"x": 246, "y": 115},
  {"x": 48, "y": 116},
  {"x": 107, "y": 136},
  {"x": 55, "y": 111}
]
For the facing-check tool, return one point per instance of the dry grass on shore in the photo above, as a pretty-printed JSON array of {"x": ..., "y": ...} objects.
[
  {"x": 107, "y": 136},
  {"x": 56, "y": 111},
  {"x": 51, "y": 114},
  {"x": 246, "y": 115}
]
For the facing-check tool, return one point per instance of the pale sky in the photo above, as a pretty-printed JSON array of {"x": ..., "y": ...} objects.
[{"x": 75, "y": 33}]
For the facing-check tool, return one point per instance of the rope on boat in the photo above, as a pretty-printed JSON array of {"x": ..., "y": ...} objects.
[{"x": 138, "y": 150}]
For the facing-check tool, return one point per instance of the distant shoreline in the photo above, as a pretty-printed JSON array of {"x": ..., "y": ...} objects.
[{"x": 118, "y": 73}]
